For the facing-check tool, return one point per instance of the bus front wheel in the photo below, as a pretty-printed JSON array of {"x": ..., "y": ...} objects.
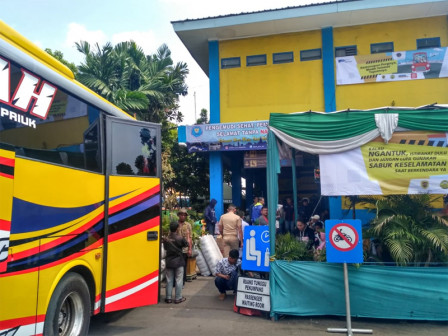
[{"x": 68, "y": 313}]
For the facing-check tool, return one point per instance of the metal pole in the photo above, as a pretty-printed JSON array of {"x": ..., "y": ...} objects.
[
  {"x": 347, "y": 302},
  {"x": 195, "y": 117},
  {"x": 349, "y": 329},
  {"x": 294, "y": 184}
]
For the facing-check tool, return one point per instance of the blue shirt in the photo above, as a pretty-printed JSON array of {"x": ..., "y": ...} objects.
[{"x": 256, "y": 212}]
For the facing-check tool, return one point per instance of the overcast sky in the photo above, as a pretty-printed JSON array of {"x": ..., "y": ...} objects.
[{"x": 58, "y": 24}]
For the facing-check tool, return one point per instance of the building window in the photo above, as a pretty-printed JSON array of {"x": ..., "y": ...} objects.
[
  {"x": 433, "y": 42},
  {"x": 309, "y": 55},
  {"x": 231, "y": 62},
  {"x": 284, "y": 57},
  {"x": 345, "y": 51},
  {"x": 256, "y": 60},
  {"x": 376, "y": 48}
]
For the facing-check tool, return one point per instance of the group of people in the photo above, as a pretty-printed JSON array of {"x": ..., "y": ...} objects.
[
  {"x": 230, "y": 226},
  {"x": 178, "y": 245}
]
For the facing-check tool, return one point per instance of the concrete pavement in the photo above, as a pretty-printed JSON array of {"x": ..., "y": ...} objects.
[{"x": 203, "y": 314}]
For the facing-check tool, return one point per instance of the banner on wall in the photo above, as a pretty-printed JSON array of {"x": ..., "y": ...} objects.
[
  {"x": 392, "y": 66},
  {"x": 411, "y": 163},
  {"x": 250, "y": 135}
]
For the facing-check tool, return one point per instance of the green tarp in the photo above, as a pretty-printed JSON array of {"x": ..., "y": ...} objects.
[
  {"x": 311, "y": 288},
  {"x": 318, "y": 126}
]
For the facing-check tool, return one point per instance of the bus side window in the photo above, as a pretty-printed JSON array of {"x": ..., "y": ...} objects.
[
  {"x": 135, "y": 151},
  {"x": 92, "y": 150}
]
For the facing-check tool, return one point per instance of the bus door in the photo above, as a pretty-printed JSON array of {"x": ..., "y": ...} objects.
[
  {"x": 7, "y": 161},
  {"x": 133, "y": 169}
]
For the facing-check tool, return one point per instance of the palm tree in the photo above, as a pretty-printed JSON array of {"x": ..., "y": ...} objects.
[
  {"x": 409, "y": 230},
  {"x": 148, "y": 86}
]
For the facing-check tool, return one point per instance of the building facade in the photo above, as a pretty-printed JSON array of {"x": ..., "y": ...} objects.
[{"x": 355, "y": 54}]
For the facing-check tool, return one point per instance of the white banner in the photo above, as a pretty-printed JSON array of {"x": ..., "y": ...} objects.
[
  {"x": 411, "y": 163},
  {"x": 392, "y": 66}
]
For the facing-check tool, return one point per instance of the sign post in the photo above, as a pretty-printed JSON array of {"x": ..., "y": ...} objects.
[
  {"x": 256, "y": 248},
  {"x": 344, "y": 245},
  {"x": 254, "y": 293}
]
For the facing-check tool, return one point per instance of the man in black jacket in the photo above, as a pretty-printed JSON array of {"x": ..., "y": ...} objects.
[{"x": 175, "y": 263}]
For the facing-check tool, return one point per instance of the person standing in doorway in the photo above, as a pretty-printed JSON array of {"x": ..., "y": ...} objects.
[
  {"x": 288, "y": 208},
  {"x": 185, "y": 231},
  {"x": 210, "y": 217},
  {"x": 230, "y": 228},
  {"x": 304, "y": 211}
]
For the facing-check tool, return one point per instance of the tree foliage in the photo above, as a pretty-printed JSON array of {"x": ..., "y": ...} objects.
[
  {"x": 203, "y": 117},
  {"x": 408, "y": 229},
  {"x": 148, "y": 87},
  {"x": 60, "y": 57}
]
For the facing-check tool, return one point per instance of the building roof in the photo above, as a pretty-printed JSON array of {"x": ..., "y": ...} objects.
[{"x": 196, "y": 33}]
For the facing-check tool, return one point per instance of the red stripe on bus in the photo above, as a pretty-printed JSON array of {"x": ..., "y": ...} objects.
[
  {"x": 6, "y": 175},
  {"x": 58, "y": 241},
  {"x": 7, "y": 161},
  {"x": 97, "y": 301},
  {"x": 134, "y": 200},
  {"x": 149, "y": 224},
  {"x": 132, "y": 284},
  {"x": 5, "y": 225},
  {"x": 21, "y": 321},
  {"x": 145, "y": 296}
]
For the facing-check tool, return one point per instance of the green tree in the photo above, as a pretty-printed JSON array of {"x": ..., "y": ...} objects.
[
  {"x": 409, "y": 230},
  {"x": 203, "y": 117},
  {"x": 191, "y": 174},
  {"x": 147, "y": 86},
  {"x": 60, "y": 57}
]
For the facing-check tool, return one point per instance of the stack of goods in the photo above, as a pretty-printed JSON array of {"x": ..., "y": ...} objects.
[
  {"x": 210, "y": 252},
  {"x": 202, "y": 264}
]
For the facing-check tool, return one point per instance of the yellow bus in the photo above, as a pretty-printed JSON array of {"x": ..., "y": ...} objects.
[{"x": 79, "y": 199}]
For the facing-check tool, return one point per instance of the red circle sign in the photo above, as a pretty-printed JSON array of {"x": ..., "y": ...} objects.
[{"x": 343, "y": 237}]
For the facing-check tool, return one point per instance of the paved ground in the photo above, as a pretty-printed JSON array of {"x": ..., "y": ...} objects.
[{"x": 203, "y": 314}]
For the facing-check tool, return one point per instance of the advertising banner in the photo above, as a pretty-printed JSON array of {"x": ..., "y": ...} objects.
[
  {"x": 392, "y": 66},
  {"x": 250, "y": 135},
  {"x": 411, "y": 163}
]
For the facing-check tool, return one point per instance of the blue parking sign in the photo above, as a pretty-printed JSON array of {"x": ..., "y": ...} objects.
[
  {"x": 343, "y": 240},
  {"x": 256, "y": 249}
]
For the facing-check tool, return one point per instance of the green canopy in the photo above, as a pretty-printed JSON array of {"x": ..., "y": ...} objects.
[{"x": 327, "y": 133}]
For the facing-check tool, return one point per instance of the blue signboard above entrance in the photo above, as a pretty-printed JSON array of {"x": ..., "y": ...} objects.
[
  {"x": 250, "y": 135},
  {"x": 256, "y": 249},
  {"x": 344, "y": 241}
]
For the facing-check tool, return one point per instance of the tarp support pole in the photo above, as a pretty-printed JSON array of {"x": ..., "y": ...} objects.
[{"x": 294, "y": 184}]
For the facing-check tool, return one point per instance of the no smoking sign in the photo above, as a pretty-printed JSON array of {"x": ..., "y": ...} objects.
[{"x": 344, "y": 241}]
